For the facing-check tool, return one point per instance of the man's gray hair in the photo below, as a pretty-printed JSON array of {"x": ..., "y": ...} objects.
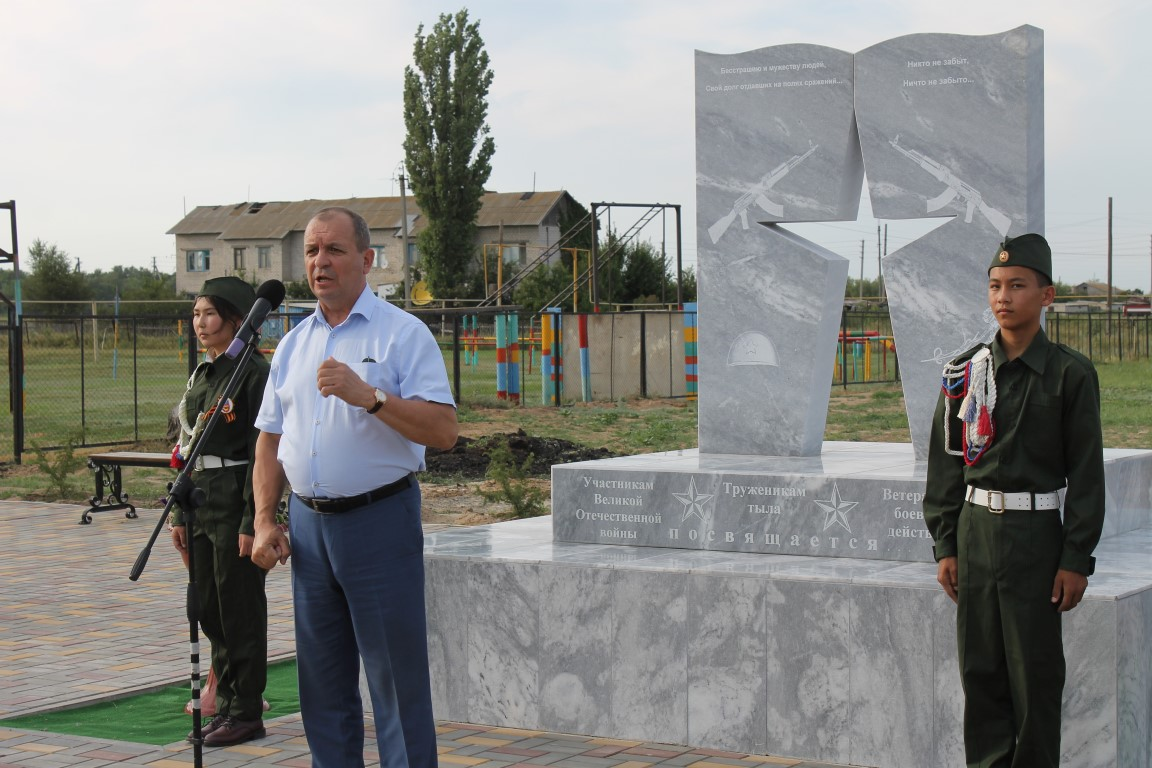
[{"x": 360, "y": 231}]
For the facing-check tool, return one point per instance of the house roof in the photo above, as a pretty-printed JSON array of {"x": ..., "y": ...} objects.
[{"x": 275, "y": 220}]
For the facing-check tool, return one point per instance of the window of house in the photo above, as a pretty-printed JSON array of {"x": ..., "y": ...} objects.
[
  {"x": 413, "y": 254},
  {"x": 238, "y": 258},
  {"x": 264, "y": 256},
  {"x": 517, "y": 253},
  {"x": 514, "y": 253},
  {"x": 379, "y": 260},
  {"x": 198, "y": 261}
]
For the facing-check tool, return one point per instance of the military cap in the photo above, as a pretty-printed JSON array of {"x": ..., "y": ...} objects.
[
  {"x": 1030, "y": 250},
  {"x": 233, "y": 290}
]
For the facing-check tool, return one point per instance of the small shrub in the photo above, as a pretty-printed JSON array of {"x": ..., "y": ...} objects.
[
  {"x": 511, "y": 486},
  {"x": 60, "y": 466}
]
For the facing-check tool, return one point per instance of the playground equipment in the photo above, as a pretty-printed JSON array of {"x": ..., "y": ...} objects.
[
  {"x": 508, "y": 358},
  {"x": 856, "y": 354},
  {"x": 691, "y": 377},
  {"x": 421, "y": 295},
  {"x": 551, "y": 357}
]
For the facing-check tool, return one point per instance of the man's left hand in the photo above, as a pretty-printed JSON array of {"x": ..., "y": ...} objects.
[
  {"x": 336, "y": 378},
  {"x": 1068, "y": 590}
]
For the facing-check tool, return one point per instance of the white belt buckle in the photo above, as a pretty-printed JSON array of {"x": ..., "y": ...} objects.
[{"x": 991, "y": 507}]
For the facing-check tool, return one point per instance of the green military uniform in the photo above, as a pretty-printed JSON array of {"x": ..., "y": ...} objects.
[
  {"x": 1046, "y": 436},
  {"x": 232, "y": 605}
]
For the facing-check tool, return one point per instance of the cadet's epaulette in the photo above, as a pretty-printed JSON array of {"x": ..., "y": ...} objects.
[
  {"x": 971, "y": 379},
  {"x": 1074, "y": 354}
]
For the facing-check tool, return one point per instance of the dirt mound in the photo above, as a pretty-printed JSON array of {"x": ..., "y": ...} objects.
[{"x": 469, "y": 458}]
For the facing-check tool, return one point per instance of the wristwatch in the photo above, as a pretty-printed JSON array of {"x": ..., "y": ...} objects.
[{"x": 381, "y": 398}]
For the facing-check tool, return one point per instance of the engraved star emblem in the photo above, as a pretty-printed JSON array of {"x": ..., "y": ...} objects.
[
  {"x": 694, "y": 501},
  {"x": 835, "y": 509}
]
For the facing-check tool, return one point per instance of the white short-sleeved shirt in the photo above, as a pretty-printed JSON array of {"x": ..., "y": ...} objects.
[{"x": 332, "y": 449}]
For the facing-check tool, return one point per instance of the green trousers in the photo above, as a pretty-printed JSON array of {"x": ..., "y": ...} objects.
[
  {"x": 1009, "y": 637},
  {"x": 232, "y": 605}
]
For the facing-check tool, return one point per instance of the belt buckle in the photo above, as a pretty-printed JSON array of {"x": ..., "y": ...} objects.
[
  {"x": 993, "y": 509},
  {"x": 198, "y": 466}
]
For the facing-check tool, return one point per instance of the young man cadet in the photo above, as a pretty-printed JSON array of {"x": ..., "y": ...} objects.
[{"x": 1018, "y": 419}]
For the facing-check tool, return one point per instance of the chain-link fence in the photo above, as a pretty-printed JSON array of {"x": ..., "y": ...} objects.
[{"x": 92, "y": 380}]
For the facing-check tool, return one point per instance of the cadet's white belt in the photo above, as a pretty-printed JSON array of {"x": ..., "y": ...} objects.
[
  {"x": 998, "y": 501},
  {"x": 215, "y": 462}
]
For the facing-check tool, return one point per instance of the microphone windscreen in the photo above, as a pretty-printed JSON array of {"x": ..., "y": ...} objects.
[{"x": 271, "y": 291}]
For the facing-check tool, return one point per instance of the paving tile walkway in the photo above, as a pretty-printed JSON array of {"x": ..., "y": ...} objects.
[{"x": 74, "y": 630}]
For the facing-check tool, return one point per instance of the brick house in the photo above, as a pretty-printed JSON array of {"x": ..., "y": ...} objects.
[{"x": 263, "y": 241}]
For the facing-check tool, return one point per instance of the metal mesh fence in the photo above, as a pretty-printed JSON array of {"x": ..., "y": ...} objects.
[
  {"x": 7, "y": 426},
  {"x": 1103, "y": 338},
  {"x": 93, "y": 381}
]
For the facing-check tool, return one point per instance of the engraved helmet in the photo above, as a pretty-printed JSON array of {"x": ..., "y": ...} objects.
[{"x": 752, "y": 348}]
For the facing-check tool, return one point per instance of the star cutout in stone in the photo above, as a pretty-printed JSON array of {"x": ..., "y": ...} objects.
[
  {"x": 835, "y": 509},
  {"x": 694, "y": 501}
]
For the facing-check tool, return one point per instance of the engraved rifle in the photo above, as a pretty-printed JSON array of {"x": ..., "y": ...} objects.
[
  {"x": 955, "y": 187},
  {"x": 757, "y": 194}
]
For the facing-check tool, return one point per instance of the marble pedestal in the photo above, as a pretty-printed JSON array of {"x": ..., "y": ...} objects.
[
  {"x": 844, "y": 660},
  {"x": 740, "y": 632}
]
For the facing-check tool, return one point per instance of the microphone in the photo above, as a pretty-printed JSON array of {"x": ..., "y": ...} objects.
[{"x": 268, "y": 298}]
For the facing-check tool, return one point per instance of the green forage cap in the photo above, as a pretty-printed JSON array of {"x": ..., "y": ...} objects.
[
  {"x": 233, "y": 290},
  {"x": 1029, "y": 250}
]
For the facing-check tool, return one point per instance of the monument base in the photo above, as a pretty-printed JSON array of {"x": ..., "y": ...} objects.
[
  {"x": 856, "y": 500},
  {"x": 844, "y": 660}
]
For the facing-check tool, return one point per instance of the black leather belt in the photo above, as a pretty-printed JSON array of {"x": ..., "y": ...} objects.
[{"x": 348, "y": 503}]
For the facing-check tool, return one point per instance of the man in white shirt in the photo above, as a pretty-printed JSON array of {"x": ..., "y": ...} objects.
[{"x": 355, "y": 393}]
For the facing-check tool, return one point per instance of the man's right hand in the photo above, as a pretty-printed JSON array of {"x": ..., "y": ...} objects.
[
  {"x": 946, "y": 574},
  {"x": 270, "y": 547}
]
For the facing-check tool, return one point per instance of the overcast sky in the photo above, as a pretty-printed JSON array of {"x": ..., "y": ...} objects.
[{"x": 117, "y": 117}]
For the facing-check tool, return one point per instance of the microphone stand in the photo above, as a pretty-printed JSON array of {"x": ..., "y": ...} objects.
[{"x": 184, "y": 493}]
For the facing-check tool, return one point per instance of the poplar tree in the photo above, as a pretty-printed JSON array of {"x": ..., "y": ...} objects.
[{"x": 447, "y": 149}]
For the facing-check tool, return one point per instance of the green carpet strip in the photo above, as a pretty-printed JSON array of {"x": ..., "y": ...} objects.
[{"x": 155, "y": 718}]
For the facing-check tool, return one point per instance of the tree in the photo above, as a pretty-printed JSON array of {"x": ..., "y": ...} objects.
[
  {"x": 645, "y": 278},
  {"x": 137, "y": 285},
  {"x": 688, "y": 284},
  {"x": 298, "y": 289},
  {"x": 53, "y": 278},
  {"x": 447, "y": 149},
  {"x": 542, "y": 285}
]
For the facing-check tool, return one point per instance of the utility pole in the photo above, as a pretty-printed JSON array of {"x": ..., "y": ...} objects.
[
  {"x": 500, "y": 265},
  {"x": 861, "y": 270},
  {"x": 879, "y": 265},
  {"x": 404, "y": 231},
  {"x": 1109, "y": 266}
]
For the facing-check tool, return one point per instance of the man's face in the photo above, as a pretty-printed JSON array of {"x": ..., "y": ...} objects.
[
  {"x": 1016, "y": 298},
  {"x": 334, "y": 267}
]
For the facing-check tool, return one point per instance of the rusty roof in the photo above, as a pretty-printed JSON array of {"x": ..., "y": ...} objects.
[{"x": 275, "y": 220}]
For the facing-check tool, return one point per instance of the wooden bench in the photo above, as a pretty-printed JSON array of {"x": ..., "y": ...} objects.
[{"x": 106, "y": 469}]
